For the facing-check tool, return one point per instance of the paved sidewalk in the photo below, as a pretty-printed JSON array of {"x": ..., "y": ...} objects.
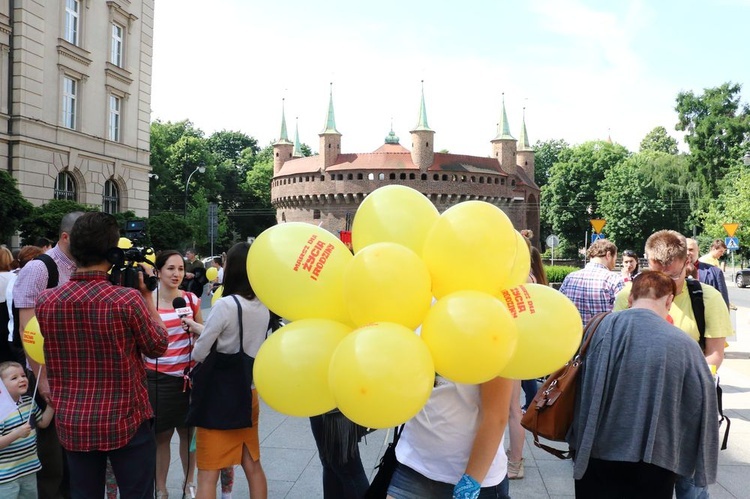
[{"x": 293, "y": 470}]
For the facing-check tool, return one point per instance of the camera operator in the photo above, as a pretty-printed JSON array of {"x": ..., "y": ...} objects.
[{"x": 95, "y": 336}]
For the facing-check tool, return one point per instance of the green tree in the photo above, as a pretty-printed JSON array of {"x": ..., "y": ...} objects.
[
  {"x": 643, "y": 194},
  {"x": 569, "y": 200},
  {"x": 13, "y": 206},
  {"x": 44, "y": 221},
  {"x": 169, "y": 230},
  {"x": 659, "y": 140},
  {"x": 546, "y": 154},
  {"x": 228, "y": 145},
  {"x": 717, "y": 128}
]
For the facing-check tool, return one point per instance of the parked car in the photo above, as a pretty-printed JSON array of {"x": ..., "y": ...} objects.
[{"x": 742, "y": 278}]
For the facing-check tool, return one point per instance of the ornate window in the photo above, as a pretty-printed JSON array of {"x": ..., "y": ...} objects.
[
  {"x": 111, "y": 197},
  {"x": 65, "y": 187},
  {"x": 116, "y": 49},
  {"x": 113, "y": 128},
  {"x": 72, "y": 21},
  {"x": 69, "y": 102}
]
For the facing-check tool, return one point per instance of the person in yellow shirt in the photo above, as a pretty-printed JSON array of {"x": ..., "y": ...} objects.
[
  {"x": 717, "y": 250},
  {"x": 666, "y": 251}
]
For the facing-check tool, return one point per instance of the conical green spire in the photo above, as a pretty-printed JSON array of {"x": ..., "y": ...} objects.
[
  {"x": 422, "y": 120},
  {"x": 283, "y": 136},
  {"x": 504, "y": 132},
  {"x": 523, "y": 140},
  {"x": 297, "y": 151},
  {"x": 330, "y": 126}
]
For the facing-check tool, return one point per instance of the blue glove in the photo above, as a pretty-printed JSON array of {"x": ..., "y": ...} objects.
[{"x": 466, "y": 488}]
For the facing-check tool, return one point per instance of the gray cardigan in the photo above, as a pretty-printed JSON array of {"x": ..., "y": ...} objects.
[{"x": 645, "y": 393}]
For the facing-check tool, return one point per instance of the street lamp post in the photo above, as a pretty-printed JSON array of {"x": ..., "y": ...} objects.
[{"x": 201, "y": 169}]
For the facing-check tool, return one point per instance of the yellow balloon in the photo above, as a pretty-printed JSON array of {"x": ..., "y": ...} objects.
[
  {"x": 471, "y": 336},
  {"x": 291, "y": 368},
  {"x": 33, "y": 341},
  {"x": 217, "y": 294},
  {"x": 393, "y": 213},
  {"x": 124, "y": 243},
  {"x": 472, "y": 246},
  {"x": 381, "y": 375},
  {"x": 387, "y": 282},
  {"x": 212, "y": 273},
  {"x": 297, "y": 270},
  {"x": 549, "y": 330},
  {"x": 519, "y": 274}
]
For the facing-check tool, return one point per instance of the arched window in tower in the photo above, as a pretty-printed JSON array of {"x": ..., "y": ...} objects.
[
  {"x": 402, "y": 176},
  {"x": 481, "y": 180},
  {"x": 411, "y": 176},
  {"x": 392, "y": 176},
  {"x": 436, "y": 177},
  {"x": 454, "y": 178},
  {"x": 427, "y": 144},
  {"x": 359, "y": 176},
  {"x": 111, "y": 198},
  {"x": 370, "y": 176},
  {"x": 283, "y": 216},
  {"x": 381, "y": 176},
  {"x": 316, "y": 214},
  {"x": 473, "y": 179},
  {"x": 350, "y": 176},
  {"x": 502, "y": 181},
  {"x": 513, "y": 183},
  {"x": 322, "y": 178},
  {"x": 340, "y": 176},
  {"x": 65, "y": 187},
  {"x": 445, "y": 178}
]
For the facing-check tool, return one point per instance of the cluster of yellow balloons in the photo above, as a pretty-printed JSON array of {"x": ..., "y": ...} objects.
[{"x": 457, "y": 277}]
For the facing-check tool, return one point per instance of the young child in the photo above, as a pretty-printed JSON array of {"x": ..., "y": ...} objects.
[{"x": 18, "y": 460}]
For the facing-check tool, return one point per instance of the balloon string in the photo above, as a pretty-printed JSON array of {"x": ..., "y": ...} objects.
[{"x": 33, "y": 398}]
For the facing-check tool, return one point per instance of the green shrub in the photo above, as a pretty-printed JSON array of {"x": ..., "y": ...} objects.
[{"x": 558, "y": 272}]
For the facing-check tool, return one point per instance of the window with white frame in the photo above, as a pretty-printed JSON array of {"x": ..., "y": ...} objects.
[
  {"x": 115, "y": 104},
  {"x": 117, "y": 45},
  {"x": 72, "y": 21},
  {"x": 69, "y": 102},
  {"x": 111, "y": 198},
  {"x": 65, "y": 187}
]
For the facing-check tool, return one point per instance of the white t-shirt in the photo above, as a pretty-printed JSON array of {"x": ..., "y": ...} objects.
[{"x": 437, "y": 442}]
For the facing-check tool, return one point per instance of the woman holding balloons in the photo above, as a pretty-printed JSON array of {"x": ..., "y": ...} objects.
[
  {"x": 167, "y": 376},
  {"x": 217, "y": 449}
]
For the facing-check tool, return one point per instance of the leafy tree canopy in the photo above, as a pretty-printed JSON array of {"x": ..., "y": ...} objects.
[
  {"x": 13, "y": 206},
  {"x": 546, "y": 154},
  {"x": 44, "y": 221},
  {"x": 569, "y": 200},
  {"x": 717, "y": 127},
  {"x": 228, "y": 145},
  {"x": 659, "y": 140}
]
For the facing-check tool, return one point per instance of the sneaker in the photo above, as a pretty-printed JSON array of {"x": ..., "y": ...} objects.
[{"x": 162, "y": 494}]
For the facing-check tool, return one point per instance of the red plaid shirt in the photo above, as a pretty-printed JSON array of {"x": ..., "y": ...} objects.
[{"x": 95, "y": 337}]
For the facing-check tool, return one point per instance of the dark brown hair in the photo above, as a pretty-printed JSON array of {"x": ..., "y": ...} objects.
[
  {"x": 537, "y": 267},
  {"x": 93, "y": 234},
  {"x": 235, "y": 272}
]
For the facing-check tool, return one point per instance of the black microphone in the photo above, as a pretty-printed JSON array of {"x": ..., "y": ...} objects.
[{"x": 180, "y": 306}]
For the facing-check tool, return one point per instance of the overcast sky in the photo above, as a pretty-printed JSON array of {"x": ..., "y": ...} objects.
[{"x": 582, "y": 69}]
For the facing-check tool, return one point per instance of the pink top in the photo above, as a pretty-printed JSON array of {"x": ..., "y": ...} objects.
[
  {"x": 178, "y": 356},
  {"x": 32, "y": 279}
]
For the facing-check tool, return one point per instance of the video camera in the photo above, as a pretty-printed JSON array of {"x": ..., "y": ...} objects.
[{"x": 126, "y": 260}]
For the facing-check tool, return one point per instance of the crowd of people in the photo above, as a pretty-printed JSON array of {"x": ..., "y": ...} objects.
[{"x": 116, "y": 383}]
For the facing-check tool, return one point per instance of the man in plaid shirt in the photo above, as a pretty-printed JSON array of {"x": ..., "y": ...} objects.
[
  {"x": 593, "y": 288},
  {"x": 95, "y": 336}
]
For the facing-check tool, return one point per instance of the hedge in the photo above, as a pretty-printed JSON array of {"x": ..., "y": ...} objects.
[{"x": 558, "y": 272}]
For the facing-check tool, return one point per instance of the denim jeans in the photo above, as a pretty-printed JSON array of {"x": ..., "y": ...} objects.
[
  {"x": 21, "y": 488},
  {"x": 409, "y": 484},
  {"x": 340, "y": 481},
  {"x": 685, "y": 488}
]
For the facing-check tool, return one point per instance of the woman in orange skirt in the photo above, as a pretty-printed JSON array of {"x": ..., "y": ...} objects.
[{"x": 217, "y": 449}]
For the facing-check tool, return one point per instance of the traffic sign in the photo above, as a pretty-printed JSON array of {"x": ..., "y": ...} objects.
[
  {"x": 596, "y": 237},
  {"x": 731, "y": 229},
  {"x": 553, "y": 241},
  {"x": 598, "y": 224},
  {"x": 733, "y": 243}
]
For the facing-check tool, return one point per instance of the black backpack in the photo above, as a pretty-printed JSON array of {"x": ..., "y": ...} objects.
[
  {"x": 14, "y": 350},
  {"x": 699, "y": 312}
]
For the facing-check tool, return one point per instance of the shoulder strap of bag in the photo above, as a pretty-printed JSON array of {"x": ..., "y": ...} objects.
[
  {"x": 239, "y": 319},
  {"x": 699, "y": 309},
  {"x": 699, "y": 312},
  {"x": 53, "y": 275}
]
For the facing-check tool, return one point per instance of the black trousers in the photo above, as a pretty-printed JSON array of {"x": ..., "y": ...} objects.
[
  {"x": 134, "y": 465},
  {"x": 623, "y": 480}
]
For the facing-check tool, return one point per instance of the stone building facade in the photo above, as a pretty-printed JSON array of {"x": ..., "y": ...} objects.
[
  {"x": 327, "y": 188},
  {"x": 75, "y": 100}
]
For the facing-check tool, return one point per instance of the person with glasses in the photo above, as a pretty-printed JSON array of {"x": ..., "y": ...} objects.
[
  {"x": 705, "y": 272},
  {"x": 666, "y": 251}
]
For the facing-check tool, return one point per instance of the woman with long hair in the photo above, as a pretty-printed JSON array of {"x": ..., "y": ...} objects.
[
  {"x": 168, "y": 386},
  {"x": 217, "y": 449}
]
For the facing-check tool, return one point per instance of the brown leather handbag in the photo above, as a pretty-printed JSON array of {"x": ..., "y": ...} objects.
[{"x": 550, "y": 414}]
